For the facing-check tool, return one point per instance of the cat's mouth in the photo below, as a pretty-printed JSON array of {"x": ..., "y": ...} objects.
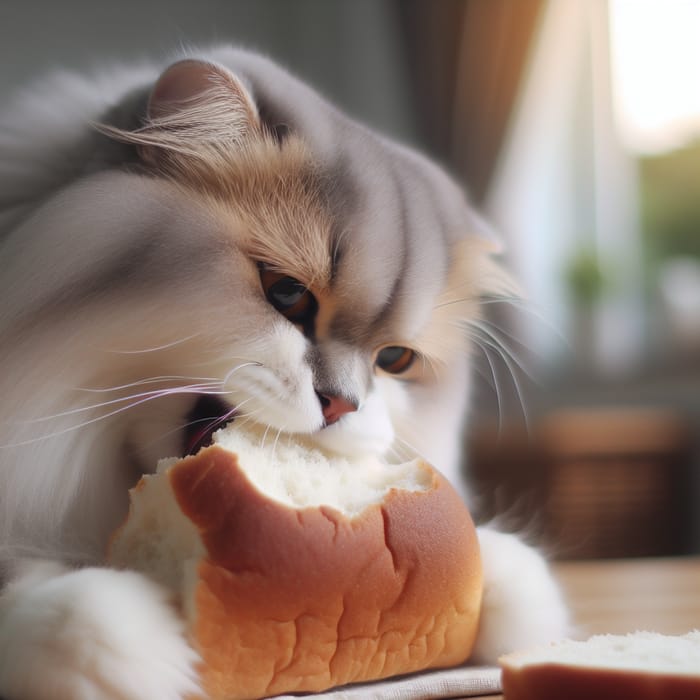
[{"x": 208, "y": 415}]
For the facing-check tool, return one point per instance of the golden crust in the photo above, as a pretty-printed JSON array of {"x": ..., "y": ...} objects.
[{"x": 292, "y": 599}]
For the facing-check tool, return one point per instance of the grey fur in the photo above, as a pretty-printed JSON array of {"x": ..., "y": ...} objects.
[{"x": 96, "y": 252}]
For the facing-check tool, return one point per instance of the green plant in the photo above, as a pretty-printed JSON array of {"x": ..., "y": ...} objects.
[{"x": 584, "y": 278}]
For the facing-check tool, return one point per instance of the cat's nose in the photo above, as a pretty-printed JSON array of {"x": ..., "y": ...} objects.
[{"x": 333, "y": 407}]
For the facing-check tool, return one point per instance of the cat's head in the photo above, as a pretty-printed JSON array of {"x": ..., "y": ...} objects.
[{"x": 312, "y": 282}]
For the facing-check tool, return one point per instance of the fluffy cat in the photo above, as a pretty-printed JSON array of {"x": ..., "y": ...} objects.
[{"x": 190, "y": 243}]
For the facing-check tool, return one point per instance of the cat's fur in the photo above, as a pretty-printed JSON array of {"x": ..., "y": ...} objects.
[{"x": 131, "y": 237}]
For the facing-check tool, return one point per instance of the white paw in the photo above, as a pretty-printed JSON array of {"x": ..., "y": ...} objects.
[
  {"x": 91, "y": 634},
  {"x": 522, "y": 604}
]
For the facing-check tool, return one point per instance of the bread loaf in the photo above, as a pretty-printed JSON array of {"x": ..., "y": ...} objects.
[
  {"x": 298, "y": 571},
  {"x": 643, "y": 666}
]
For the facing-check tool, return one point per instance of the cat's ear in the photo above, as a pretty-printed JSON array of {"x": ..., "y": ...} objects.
[
  {"x": 197, "y": 101},
  {"x": 192, "y": 83}
]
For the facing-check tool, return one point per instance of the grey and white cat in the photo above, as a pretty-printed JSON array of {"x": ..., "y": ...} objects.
[{"x": 194, "y": 242}]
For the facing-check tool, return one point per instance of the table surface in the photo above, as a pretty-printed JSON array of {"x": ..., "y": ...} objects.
[{"x": 620, "y": 596}]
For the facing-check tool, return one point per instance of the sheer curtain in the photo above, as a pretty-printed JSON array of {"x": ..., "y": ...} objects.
[{"x": 563, "y": 186}]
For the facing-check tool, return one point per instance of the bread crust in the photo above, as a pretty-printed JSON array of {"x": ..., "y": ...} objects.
[
  {"x": 290, "y": 600},
  {"x": 551, "y": 681}
]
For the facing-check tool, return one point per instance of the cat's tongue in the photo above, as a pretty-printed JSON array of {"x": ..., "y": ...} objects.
[{"x": 207, "y": 416}]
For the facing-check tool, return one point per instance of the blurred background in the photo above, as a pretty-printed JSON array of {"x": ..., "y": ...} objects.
[{"x": 575, "y": 126}]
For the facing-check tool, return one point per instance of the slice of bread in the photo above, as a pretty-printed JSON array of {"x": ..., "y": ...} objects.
[{"x": 639, "y": 666}]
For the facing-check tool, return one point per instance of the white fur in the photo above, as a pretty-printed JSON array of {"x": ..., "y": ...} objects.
[
  {"x": 366, "y": 431},
  {"x": 91, "y": 634},
  {"x": 522, "y": 605},
  {"x": 67, "y": 463}
]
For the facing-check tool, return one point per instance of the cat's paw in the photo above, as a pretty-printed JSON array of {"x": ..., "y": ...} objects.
[
  {"x": 92, "y": 634},
  {"x": 522, "y": 604}
]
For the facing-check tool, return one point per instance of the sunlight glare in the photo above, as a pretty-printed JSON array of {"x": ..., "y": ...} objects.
[{"x": 655, "y": 56}]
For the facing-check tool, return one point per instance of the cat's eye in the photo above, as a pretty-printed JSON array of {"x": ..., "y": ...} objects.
[
  {"x": 395, "y": 359},
  {"x": 289, "y": 296}
]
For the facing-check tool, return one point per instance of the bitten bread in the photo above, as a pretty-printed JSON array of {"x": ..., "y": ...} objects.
[
  {"x": 298, "y": 571},
  {"x": 643, "y": 666}
]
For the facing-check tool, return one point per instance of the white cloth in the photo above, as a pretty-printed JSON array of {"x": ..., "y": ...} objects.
[{"x": 466, "y": 681}]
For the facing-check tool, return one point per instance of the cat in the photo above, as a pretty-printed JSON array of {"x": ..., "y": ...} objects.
[{"x": 188, "y": 243}]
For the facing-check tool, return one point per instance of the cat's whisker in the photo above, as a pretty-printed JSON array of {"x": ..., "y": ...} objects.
[
  {"x": 213, "y": 423},
  {"x": 501, "y": 330},
  {"x": 233, "y": 412},
  {"x": 521, "y": 303},
  {"x": 435, "y": 363},
  {"x": 150, "y": 380},
  {"x": 469, "y": 299},
  {"x": 150, "y": 396},
  {"x": 251, "y": 363},
  {"x": 147, "y": 445},
  {"x": 502, "y": 333},
  {"x": 413, "y": 451},
  {"x": 264, "y": 436},
  {"x": 509, "y": 362},
  {"x": 277, "y": 437},
  {"x": 487, "y": 377},
  {"x": 496, "y": 383},
  {"x": 211, "y": 389},
  {"x": 268, "y": 427},
  {"x": 401, "y": 456},
  {"x": 493, "y": 334},
  {"x": 216, "y": 359},
  {"x": 338, "y": 243},
  {"x": 238, "y": 358},
  {"x": 219, "y": 421},
  {"x": 514, "y": 301},
  {"x": 527, "y": 307},
  {"x": 494, "y": 339},
  {"x": 244, "y": 419},
  {"x": 157, "y": 348},
  {"x": 209, "y": 385}
]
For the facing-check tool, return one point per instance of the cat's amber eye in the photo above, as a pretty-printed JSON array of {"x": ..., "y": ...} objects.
[
  {"x": 289, "y": 296},
  {"x": 395, "y": 359}
]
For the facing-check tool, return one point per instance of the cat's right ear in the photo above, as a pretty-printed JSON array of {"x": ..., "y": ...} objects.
[{"x": 196, "y": 101}]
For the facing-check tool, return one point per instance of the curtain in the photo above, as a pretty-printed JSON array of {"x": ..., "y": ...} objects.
[{"x": 467, "y": 59}]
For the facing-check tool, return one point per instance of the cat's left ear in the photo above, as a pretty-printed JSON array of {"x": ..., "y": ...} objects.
[
  {"x": 197, "y": 101},
  {"x": 191, "y": 83}
]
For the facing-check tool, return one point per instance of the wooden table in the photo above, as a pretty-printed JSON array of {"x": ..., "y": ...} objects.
[
  {"x": 620, "y": 596},
  {"x": 662, "y": 595}
]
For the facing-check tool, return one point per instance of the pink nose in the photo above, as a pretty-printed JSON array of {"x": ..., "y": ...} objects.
[{"x": 334, "y": 407}]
